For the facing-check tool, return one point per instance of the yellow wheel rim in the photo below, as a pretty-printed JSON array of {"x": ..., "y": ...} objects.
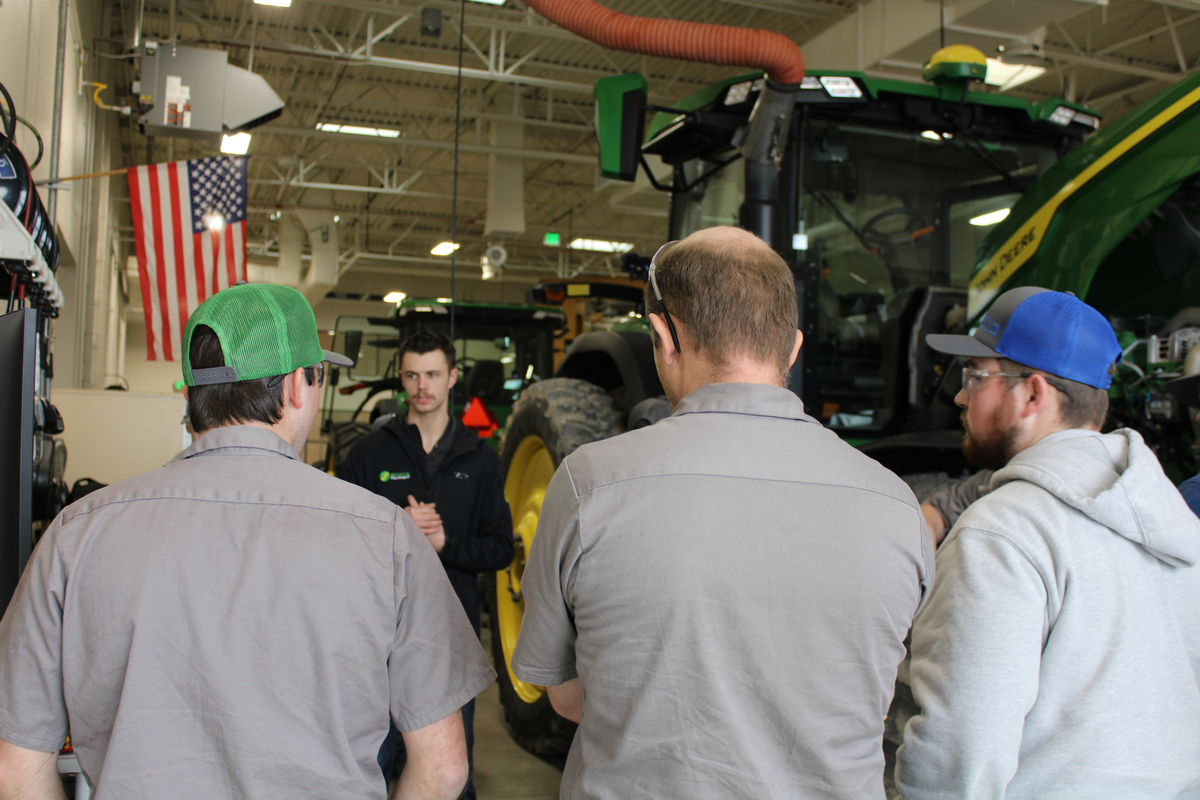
[{"x": 529, "y": 474}]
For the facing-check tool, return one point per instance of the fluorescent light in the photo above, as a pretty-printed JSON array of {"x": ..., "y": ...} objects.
[
  {"x": 336, "y": 219},
  {"x": 277, "y": 3},
  {"x": 600, "y": 246},
  {"x": 445, "y": 299},
  {"x": 235, "y": 145},
  {"x": 1009, "y": 76},
  {"x": 990, "y": 218},
  {"x": 444, "y": 248},
  {"x": 394, "y": 297},
  {"x": 507, "y": 359},
  {"x": 491, "y": 2},
  {"x": 358, "y": 130},
  {"x": 937, "y": 137},
  {"x": 799, "y": 241}
]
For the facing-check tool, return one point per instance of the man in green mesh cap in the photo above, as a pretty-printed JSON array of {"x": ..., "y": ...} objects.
[{"x": 237, "y": 623}]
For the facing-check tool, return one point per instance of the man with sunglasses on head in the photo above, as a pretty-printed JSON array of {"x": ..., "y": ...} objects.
[
  {"x": 721, "y": 598},
  {"x": 237, "y": 623},
  {"x": 1059, "y": 651}
]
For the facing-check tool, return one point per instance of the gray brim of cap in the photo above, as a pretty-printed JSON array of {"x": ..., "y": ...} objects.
[
  {"x": 337, "y": 359},
  {"x": 959, "y": 345},
  {"x": 1186, "y": 390}
]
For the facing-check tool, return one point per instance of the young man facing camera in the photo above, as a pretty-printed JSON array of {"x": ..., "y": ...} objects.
[{"x": 447, "y": 479}]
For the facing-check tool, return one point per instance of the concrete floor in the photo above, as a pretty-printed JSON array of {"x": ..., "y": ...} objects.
[{"x": 503, "y": 771}]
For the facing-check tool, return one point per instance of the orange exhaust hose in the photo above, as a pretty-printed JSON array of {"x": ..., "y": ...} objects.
[{"x": 773, "y": 52}]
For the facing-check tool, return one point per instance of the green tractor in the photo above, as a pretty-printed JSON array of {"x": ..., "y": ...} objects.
[
  {"x": 501, "y": 350},
  {"x": 903, "y": 209}
]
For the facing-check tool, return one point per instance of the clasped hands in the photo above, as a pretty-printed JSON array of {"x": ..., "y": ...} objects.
[{"x": 429, "y": 521}]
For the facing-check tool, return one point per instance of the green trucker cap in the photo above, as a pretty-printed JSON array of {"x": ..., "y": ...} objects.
[{"x": 264, "y": 330}]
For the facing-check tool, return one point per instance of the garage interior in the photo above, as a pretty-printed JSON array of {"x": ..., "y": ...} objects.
[{"x": 400, "y": 126}]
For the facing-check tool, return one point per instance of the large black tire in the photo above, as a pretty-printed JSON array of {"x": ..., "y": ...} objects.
[{"x": 551, "y": 418}]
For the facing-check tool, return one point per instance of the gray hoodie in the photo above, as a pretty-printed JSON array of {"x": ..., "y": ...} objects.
[{"x": 1059, "y": 653}]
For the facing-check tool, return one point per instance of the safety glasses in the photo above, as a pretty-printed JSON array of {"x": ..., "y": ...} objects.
[
  {"x": 319, "y": 367},
  {"x": 658, "y": 295},
  {"x": 971, "y": 378}
]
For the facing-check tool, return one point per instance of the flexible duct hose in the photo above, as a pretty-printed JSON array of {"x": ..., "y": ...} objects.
[{"x": 773, "y": 52}]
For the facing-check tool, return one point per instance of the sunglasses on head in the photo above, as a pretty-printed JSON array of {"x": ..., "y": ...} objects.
[{"x": 658, "y": 295}]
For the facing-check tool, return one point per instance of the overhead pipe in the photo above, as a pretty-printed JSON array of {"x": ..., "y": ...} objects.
[
  {"x": 780, "y": 57},
  {"x": 56, "y": 120}
]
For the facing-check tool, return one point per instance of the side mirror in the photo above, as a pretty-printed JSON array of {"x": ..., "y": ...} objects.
[
  {"x": 351, "y": 345},
  {"x": 620, "y": 102}
]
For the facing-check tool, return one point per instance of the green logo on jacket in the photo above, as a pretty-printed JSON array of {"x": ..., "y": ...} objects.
[{"x": 386, "y": 476}]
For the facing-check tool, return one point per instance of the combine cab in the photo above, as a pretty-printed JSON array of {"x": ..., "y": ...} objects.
[{"x": 903, "y": 209}]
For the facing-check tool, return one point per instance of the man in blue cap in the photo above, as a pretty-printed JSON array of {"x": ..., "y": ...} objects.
[{"x": 1058, "y": 654}]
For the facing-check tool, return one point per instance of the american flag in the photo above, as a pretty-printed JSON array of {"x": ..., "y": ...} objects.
[{"x": 189, "y": 222}]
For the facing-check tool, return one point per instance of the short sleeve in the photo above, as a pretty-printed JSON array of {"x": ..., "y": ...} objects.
[
  {"x": 545, "y": 652},
  {"x": 436, "y": 665},
  {"x": 33, "y": 711}
]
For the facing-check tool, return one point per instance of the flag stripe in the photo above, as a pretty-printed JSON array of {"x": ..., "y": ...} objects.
[
  {"x": 140, "y": 245},
  {"x": 159, "y": 257},
  {"x": 183, "y": 310},
  {"x": 230, "y": 261}
]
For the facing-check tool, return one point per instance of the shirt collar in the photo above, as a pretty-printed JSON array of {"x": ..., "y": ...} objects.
[
  {"x": 757, "y": 399},
  {"x": 239, "y": 438}
]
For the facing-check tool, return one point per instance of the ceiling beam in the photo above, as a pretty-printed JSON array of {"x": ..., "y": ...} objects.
[
  {"x": 416, "y": 110},
  {"x": 1111, "y": 65},
  {"x": 463, "y": 147}
]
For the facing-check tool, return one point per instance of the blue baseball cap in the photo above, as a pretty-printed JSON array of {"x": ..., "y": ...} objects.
[{"x": 1049, "y": 331}]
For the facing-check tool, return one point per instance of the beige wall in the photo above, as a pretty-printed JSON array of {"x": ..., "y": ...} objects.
[{"x": 111, "y": 436}]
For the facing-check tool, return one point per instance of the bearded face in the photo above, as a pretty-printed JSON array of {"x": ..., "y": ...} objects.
[{"x": 991, "y": 442}]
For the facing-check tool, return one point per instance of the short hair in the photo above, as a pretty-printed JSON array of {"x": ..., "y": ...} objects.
[
  {"x": 219, "y": 404},
  {"x": 423, "y": 342},
  {"x": 1079, "y": 405},
  {"x": 736, "y": 299}
]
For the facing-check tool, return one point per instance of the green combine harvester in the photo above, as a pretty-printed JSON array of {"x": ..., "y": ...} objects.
[{"x": 903, "y": 209}]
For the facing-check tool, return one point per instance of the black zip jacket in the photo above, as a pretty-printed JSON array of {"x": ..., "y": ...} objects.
[{"x": 466, "y": 488}]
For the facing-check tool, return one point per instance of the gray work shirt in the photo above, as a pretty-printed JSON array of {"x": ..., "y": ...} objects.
[
  {"x": 235, "y": 624},
  {"x": 732, "y": 587}
]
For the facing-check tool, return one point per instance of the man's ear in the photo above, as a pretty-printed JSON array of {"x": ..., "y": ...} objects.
[
  {"x": 796, "y": 348},
  {"x": 453, "y": 377},
  {"x": 293, "y": 388},
  {"x": 1037, "y": 397},
  {"x": 664, "y": 336},
  {"x": 185, "y": 392}
]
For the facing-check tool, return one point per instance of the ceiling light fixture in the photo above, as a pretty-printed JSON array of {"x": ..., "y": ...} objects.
[
  {"x": 357, "y": 130},
  {"x": 1009, "y": 75},
  {"x": 235, "y": 144},
  {"x": 600, "y": 246},
  {"x": 276, "y": 3},
  {"x": 394, "y": 297},
  {"x": 444, "y": 248},
  {"x": 990, "y": 218}
]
